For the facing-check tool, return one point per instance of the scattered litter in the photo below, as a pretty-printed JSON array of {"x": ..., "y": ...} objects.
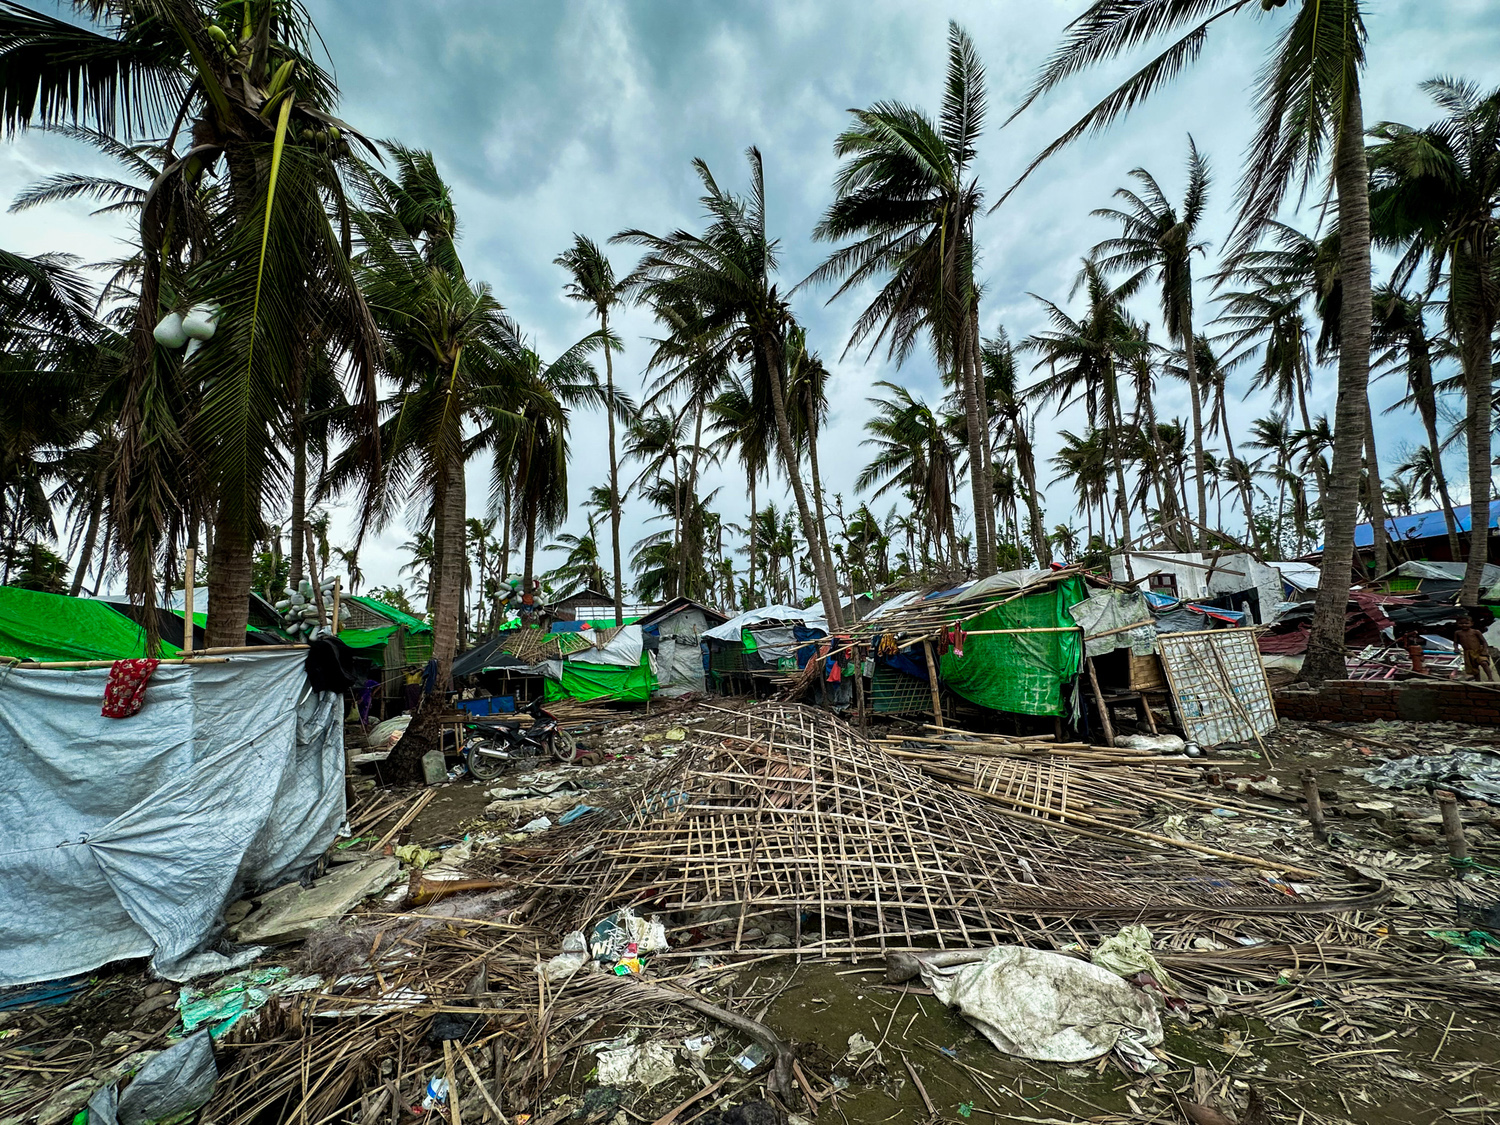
[
  {"x": 860, "y": 1046},
  {"x": 170, "y": 1085},
  {"x": 414, "y": 855},
  {"x": 648, "y": 1065},
  {"x": 540, "y": 824},
  {"x": 751, "y": 1057},
  {"x": 1476, "y": 943},
  {"x": 436, "y": 1095},
  {"x": 1128, "y": 953},
  {"x": 1474, "y": 774},
  {"x": 1046, "y": 1006},
  {"x": 575, "y": 813},
  {"x": 236, "y": 996},
  {"x": 698, "y": 1046},
  {"x": 625, "y": 933},
  {"x": 1156, "y": 743}
]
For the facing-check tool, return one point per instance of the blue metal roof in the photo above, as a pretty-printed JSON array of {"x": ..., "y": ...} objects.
[{"x": 1422, "y": 525}]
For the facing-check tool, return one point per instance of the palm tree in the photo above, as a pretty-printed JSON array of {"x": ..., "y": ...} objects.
[
  {"x": 1400, "y": 330},
  {"x": 658, "y": 441},
  {"x": 580, "y": 569},
  {"x": 593, "y": 283},
  {"x": 807, "y": 388},
  {"x": 1008, "y": 406},
  {"x": 1083, "y": 461},
  {"x": 740, "y": 424},
  {"x": 727, "y": 273},
  {"x": 1083, "y": 358},
  {"x": 1276, "y": 438},
  {"x": 1437, "y": 193},
  {"x": 907, "y": 197},
  {"x": 1308, "y": 102},
  {"x": 913, "y": 451},
  {"x": 239, "y": 218},
  {"x": 1159, "y": 240}
]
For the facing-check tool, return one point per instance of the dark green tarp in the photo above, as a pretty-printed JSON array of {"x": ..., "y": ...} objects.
[
  {"x": 1021, "y": 673},
  {"x": 38, "y": 626}
]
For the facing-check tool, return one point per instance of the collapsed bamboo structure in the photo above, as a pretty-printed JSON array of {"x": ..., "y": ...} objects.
[{"x": 786, "y": 813}]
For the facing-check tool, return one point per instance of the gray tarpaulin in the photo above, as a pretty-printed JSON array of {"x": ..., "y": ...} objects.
[{"x": 124, "y": 838}]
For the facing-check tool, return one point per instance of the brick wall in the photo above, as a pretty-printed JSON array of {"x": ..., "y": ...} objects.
[{"x": 1359, "y": 701}]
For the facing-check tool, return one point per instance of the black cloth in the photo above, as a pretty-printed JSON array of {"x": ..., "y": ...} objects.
[{"x": 330, "y": 665}]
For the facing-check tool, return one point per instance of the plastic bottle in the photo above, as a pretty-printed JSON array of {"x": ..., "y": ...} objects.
[{"x": 437, "y": 1094}]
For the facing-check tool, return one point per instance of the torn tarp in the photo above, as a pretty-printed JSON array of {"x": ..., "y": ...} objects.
[
  {"x": 124, "y": 838},
  {"x": 1473, "y": 774}
]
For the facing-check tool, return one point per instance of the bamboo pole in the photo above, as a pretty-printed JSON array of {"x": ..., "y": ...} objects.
[
  {"x": 190, "y": 562},
  {"x": 932, "y": 682},
  {"x": 336, "y": 593},
  {"x": 80, "y": 665},
  {"x": 1099, "y": 702}
]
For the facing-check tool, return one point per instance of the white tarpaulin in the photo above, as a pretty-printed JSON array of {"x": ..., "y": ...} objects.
[
  {"x": 1040, "y": 1005},
  {"x": 623, "y": 649},
  {"x": 730, "y": 630},
  {"x": 123, "y": 838}
]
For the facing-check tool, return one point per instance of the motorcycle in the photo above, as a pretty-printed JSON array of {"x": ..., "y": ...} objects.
[{"x": 498, "y": 743}]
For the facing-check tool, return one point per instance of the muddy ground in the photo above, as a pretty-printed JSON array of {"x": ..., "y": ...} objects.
[{"x": 1367, "y": 1055}]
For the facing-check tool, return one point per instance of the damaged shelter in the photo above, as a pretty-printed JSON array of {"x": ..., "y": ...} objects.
[
  {"x": 1233, "y": 581},
  {"x": 127, "y": 837},
  {"x": 1005, "y": 643},
  {"x": 674, "y": 633},
  {"x": 41, "y": 626},
  {"x": 759, "y": 646},
  {"x": 390, "y": 646},
  {"x": 583, "y": 663}
]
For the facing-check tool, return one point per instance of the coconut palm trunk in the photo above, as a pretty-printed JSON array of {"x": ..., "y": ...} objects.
[
  {"x": 817, "y": 483},
  {"x": 774, "y": 356},
  {"x": 750, "y": 592},
  {"x": 1325, "y": 653},
  {"x": 448, "y": 539},
  {"x": 1375, "y": 497},
  {"x": 1475, "y": 328},
  {"x": 614, "y": 476},
  {"x": 90, "y": 537},
  {"x": 1242, "y": 478},
  {"x": 1195, "y": 400},
  {"x": 1419, "y": 375},
  {"x": 230, "y": 567}
]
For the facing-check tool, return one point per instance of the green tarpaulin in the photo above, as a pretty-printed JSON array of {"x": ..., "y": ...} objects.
[
  {"x": 37, "y": 626},
  {"x": 368, "y": 638},
  {"x": 1022, "y": 673},
  {"x": 390, "y": 612},
  {"x": 600, "y": 681}
]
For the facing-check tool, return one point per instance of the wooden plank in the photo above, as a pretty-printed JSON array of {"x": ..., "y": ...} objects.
[{"x": 932, "y": 683}]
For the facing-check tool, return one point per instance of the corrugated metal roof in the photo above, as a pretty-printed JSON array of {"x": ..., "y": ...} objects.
[{"x": 1422, "y": 525}]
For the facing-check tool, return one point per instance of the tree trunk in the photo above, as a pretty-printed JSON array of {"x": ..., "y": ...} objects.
[
  {"x": 982, "y": 398},
  {"x": 109, "y": 532},
  {"x": 529, "y": 556},
  {"x": 89, "y": 536},
  {"x": 505, "y": 540},
  {"x": 230, "y": 567},
  {"x": 1117, "y": 424},
  {"x": 1476, "y": 323},
  {"x": 773, "y": 359},
  {"x": 448, "y": 574},
  {"x": 980, "y": 486},
  {"x": 1026, "y": 467},
  {"x": 750, "y": 599},
  {"x": 299, "y": 491},
  {"x": 614, "y": 474},
  {"x": 1419, "y": 378},
  {"x": 693, "y": 591},
  {"x": 817, "y": 483},
  {"x": 1325, "y": 653},
  {"x": 1195, "y": 397},
  {"x": 1375, "y": 489}
]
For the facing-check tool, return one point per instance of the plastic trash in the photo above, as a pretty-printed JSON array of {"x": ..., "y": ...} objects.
[
  {"x": 751, "y": 1057},
  {"x": 648, "y": 1065},
  {"x": 171, "y": 1084},
  {"x": 575, "y": 813},
  {"x": 1128, "y": 953},
  {"x": 540, "y": 824},
  {"x": 437, "y": 1095},
  {"x": 1156, "y": 743}
]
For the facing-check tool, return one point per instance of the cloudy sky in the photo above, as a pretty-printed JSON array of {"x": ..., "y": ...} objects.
[{"x": 584, "y": 115}]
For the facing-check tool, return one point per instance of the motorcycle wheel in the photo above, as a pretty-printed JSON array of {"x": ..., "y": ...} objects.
[
  {"x": 564, "y": 747},
  {"x": 483, "y": 766}
]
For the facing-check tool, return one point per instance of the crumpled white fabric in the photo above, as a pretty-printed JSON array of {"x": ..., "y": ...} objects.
[
  {"x": 1129, "y": 953},
  {"x": 1047, "y": 1006}
]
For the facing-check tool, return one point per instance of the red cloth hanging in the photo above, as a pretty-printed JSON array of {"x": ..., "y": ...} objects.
[{"x": 125, "y": 693}]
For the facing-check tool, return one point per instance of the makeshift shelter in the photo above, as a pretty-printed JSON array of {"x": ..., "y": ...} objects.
[
  {"x": 126, "y": 838},
  {"x": 612, "y": 664},
  {"x": 39, "y": 626},
  {"x": 1227, "y": 580},
  {"x": 1426, "y": 533},
  {"x": 674, "y": 632},
  {"x": 390, "y": 645},
  {"x": 761, "y": 644},
  {"x": 1018, "y": 653}
]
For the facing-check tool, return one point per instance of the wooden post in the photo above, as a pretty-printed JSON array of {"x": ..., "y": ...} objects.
[
  {"x": 312, "y": 572},
  {"x": 932, "y": 682},
  {"x": 859, "y": 690},
  {"x": 1314, "y": 803},
  {"x": 1453, "y": 827},
  {"x": 1109, "y": 728},
  {"x": 336, "y": 591},
  {"x": 191, "y": 562}
]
